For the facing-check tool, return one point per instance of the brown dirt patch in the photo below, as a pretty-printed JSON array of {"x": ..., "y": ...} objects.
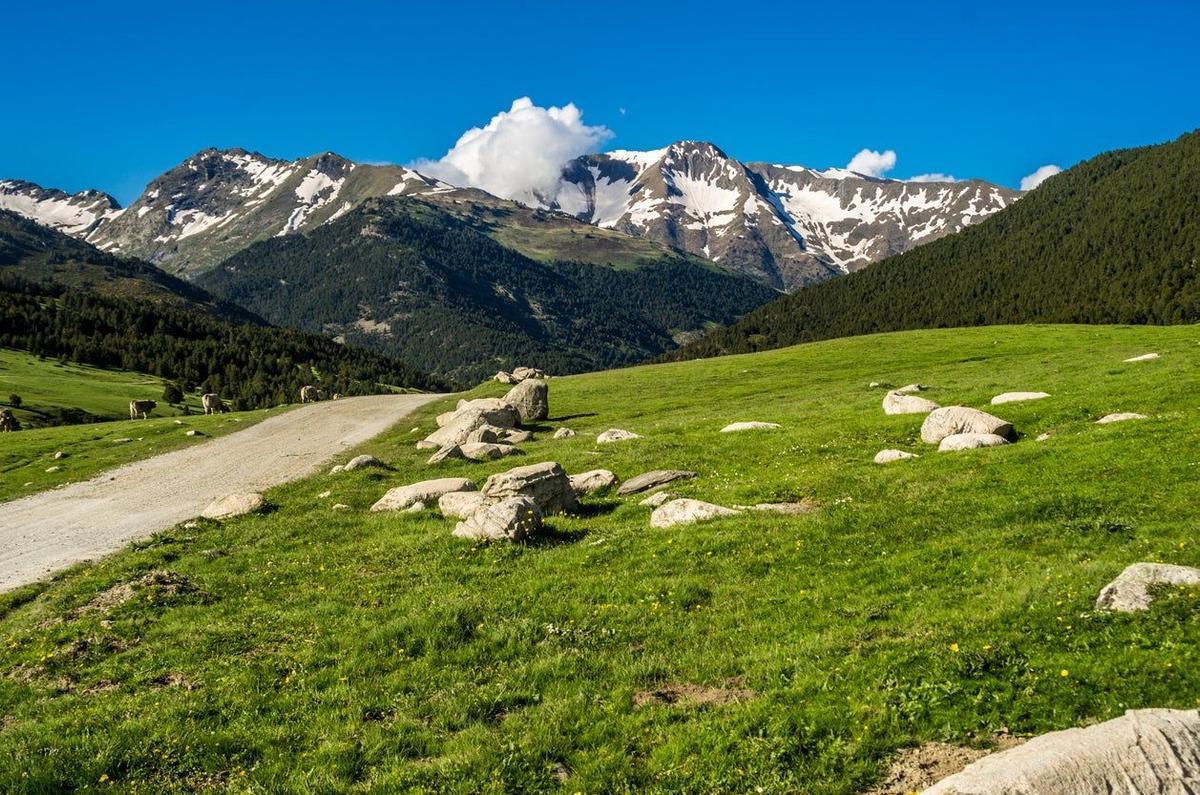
[
  {"x": 166, "y": 583},
  {"x": 915, "y": 769},
  {"x": 682, "y": 694}
]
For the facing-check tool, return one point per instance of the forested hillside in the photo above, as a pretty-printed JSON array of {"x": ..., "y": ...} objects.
[
  {"x": 439, "y": 289},
  {"x": 1112, "y": 240}
]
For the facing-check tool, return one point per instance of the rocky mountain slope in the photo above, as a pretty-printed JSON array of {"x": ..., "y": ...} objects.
[
  {"x": 464, "y": 287},
  {"x": 786, "y": 226},
  {"x": 1113, "y": 240}
]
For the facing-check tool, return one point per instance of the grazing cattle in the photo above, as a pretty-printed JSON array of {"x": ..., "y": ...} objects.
[
  {"x": 141, "y": 408},
  {"x": 8, "y": 422},
  {"x": 212, "y": 403},
  {"x": 309, "y": 394}
]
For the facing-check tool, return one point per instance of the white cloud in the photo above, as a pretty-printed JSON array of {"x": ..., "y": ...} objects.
[
  {"x": 872, "y": 163},
  {"x": 520, "y": 153},
  {"x": 1038, "y": 177},
  {"x": 935, "y": 177}
]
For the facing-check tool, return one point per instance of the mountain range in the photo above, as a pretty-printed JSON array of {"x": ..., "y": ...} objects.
[{"x": 784, "y": 226}]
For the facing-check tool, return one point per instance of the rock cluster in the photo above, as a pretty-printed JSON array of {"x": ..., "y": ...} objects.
[{"x": 485, "y": 429}]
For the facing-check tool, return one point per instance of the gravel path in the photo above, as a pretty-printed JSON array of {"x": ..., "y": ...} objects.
[{"x": 46, "y": 532}]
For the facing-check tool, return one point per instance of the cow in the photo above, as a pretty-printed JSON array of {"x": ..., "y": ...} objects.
[
  {"x": 141, "y": 408},
  {"x": 8, "y": 422},
  {"x": 309, "y": 394},
  {"x": 212, "y": 403}
]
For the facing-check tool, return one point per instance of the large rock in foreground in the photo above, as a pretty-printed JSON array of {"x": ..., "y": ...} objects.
[
  {"x": 897, "y": 402},
  {"x": 426, "y": 491},
  {"x": 531, "y": 399},
  {"x": 232, "y": 505},
  {"x": 509, "y": 519},
  {"x": 1130, "y": 592},
  {"x": 678, "y": 512},
  {"x": 653, "y": 479},
  {"x": 1144, "y": 751},
  {"x": 950, "y": 420},
  {"x": 546, "y": 484}
]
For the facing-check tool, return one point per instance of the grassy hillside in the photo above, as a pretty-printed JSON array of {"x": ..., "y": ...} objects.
[
  {"x": 48, "y": 385},
  {"x": 1113, "y": 240},
  {"x": 947, "y": 597},
  {"x": 96, "y": 447},
  {"x": 472, "y": 287}
]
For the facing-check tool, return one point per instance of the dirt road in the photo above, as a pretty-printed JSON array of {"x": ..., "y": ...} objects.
[{"x": 45, "y": 532}]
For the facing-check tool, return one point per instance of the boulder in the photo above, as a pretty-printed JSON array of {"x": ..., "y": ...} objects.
[
  {"x": 1143, "y": 751},
  {"x": 564, "y": 433},
  {"x": 656, "y": 499},
  {"x": 401, "y": 497},
  {"x": 1120, "y": 417},
  {"x": 509, "y": 519},
  {"x": 361, "y": 462},
  {"x": 948, "y": 421},
  {"x": 505, "y": 378},
  {"x": 970, "y": 441},
  {"x": 1145, "y": 357},
  {"x": 488, "y": 434},
  {"x": 495, "y": 411},
  {"x": 592, "y": 481},
  {"x": 678, "y": 512},
  {"x": 484, "y": 451},
  {"x": 525, "y": 373},
  {"x": 460, "y": 504},
  {"x": 517, "y": 437},
  {"x": 888, "y": 456},
  {"x": 444, "y": 453},
  {"x": 444, "y": 417},
  {"x": 750, "y": 426},
  {"x": 1017, "y": 397},
  {"x": 616, "y": 435},
  {"x": 233, "y": 505},
  {"x": 653, "y": 479},
  {"x": 1131, "y": 591},
  {"x": 467, "y": 420},
  {"x": 531, "y": 399},
  {"x": 546, "y": 484},
  {"x": 896, "y": 402}
]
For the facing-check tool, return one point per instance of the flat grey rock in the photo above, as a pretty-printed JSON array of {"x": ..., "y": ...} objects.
[
  {"x": 1132, "y": 590},
  {"x": 653, "y": 479}
]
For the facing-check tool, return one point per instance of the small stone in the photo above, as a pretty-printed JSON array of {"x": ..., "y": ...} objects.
[
  {"x": 1132, "y": 591},
  {"x": 897, "y": 402},
  {"x": 593, "y": 481},
  {"x": 517, "y": 437},
  {"x": 564, "y": 433},
  {"x": 54, "y": 468},
  {"x": 888, "y": 456},
  {"x": 1041, "y": 437},
  {"x": 1016, "y": 397},
  {"x": 657, "y": 499},
  {"x": 970, "y": 441},
  {"x": 361, "y": 462},
  {"x": 1123, "y": 416},
  {"x": 324, "y": 494},
  {"x": 232, "y": 505},
  {"x": 194, "y": 432},
  {"x": 734, "y": 427},
  {"x": 1145, "y": 357},
  {"x": 616, "y": 435},
  {"x": 340, "y": 506},
  {"x": 60, "y": 455},
  {"x": 677, "y": 512}
]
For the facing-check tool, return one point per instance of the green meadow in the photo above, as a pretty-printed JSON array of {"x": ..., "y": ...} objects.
[{"x": 948, "y": 597}]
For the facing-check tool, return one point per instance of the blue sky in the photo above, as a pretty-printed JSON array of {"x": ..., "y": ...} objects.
[{"x": 110, "y": 95}]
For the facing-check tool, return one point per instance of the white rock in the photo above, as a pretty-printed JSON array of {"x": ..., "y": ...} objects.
[
  {"x": 1143, "y": 751},
  {"x": 959, "y": 419},
  {"x": 1120, "y": 417},
  {"x": 324, "y": 494},
  {"x": 873, "y": 385},
  {"x": 361, "y": 462},
  {"x": 54, "y": 468},
  {"x": 531, "y": 399},
  {"x": 1016, "y": 397},
  {"x": 657, "y": 499},
  {"x": 509, "y": 519},
  {"x": 593, "y": 481},
  {"x": 970, "y": 441},
  {"x": 1145, "y": 357},
  {"x": 1130, "y": 592},
  {"x": 60, "y": 455},
  {"x": 483, "y": 451},
  {"x": 904, "y": 390},
  {"x": 616, "y": 435},
  {"x": 340, "y": 506},
  {"x": 233, "y": 505},
  {"x": 564, "y": 433},
  {"x": 888, "y": 456},
  {"x": 336, "y": 469},
  {"x": 896, "y": 402},
  {"x": 447, "y": 452},
  {"x": 1041, "y": 437},
  {"x": 401, "y": 497},
  {"x": 416, "y": 507},
  {"x": 750, "y": 426},
  {"x": 546, "y": 484},
  {"x": 683, "y": 511},
  {"x": 194, "y": 432},
  {"x": 460, "y": 504}
]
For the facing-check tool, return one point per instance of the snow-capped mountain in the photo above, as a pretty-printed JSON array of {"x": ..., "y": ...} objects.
[
  {"x": 77, "y": 215},
  {"x": 786, "y": 225}
]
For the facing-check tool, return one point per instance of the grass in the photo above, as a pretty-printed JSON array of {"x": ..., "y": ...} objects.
[
  {"x": 948, "y": 597},
  {"x": 46, "y": 385}
]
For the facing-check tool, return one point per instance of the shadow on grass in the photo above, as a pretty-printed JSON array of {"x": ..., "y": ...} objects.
[
  {"x": 590, "y": 509},
  {"x": 553, "y": 537},
  {"x": 571, "y": 417}
]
